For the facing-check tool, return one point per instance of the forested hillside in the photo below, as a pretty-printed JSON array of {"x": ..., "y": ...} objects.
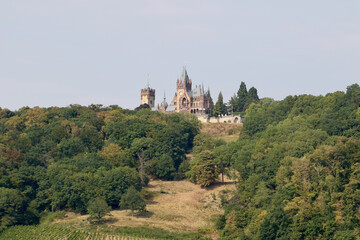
[
  {"x": 297, "y": 166},
  {"x": 63, "y": 158},
  {"x": 296, "y": 163}
]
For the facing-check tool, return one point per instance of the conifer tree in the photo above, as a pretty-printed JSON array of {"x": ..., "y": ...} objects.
[
  {"x": 252, "y": 97},
  {"x": 241, "y": 97},
  {"x": 219, "y": 107},
  {"x": 252, "y": 94}
]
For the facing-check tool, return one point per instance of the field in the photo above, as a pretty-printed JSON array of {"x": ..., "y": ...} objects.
[
  {"x": 57, "y": 232},
  {"x": 228, "y": 132},
  {"x": 177, "y": 206},
  {"x": 178, "y": 210}
]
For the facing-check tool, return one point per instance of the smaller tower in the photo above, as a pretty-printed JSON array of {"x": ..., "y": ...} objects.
[{"x": 148, "y": 95}]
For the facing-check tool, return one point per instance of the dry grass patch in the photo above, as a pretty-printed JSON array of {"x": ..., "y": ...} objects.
[
  {"x": 184, "y": 207},
  {"x": 227, "y": 131}
]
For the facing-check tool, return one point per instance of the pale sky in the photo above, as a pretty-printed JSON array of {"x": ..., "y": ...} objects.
[{"x": 61, "y": 52}]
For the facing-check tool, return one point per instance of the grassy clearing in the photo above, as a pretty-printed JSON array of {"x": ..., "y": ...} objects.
[
  {"x": 228, "y": 132},
  {"x": 176, "y": 206}
]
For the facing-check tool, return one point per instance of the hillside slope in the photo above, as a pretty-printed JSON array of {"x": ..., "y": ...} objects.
[
  {"x": 179, "y": 206},
  {"x": 226, "y": 131}
]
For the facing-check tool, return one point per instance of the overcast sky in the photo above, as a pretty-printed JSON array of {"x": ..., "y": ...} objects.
[{"x": 61, "y": 52}]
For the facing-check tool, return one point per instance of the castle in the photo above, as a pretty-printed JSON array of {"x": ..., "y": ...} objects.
[{"x": 186, "y": 99}]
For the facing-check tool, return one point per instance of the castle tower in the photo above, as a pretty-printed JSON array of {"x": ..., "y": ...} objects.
[
  {"x": 148, "y": 95},
  {"x": 183, "y": 87}
]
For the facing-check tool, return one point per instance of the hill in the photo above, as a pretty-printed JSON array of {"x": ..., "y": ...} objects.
[{"x": 226, "y": 131}]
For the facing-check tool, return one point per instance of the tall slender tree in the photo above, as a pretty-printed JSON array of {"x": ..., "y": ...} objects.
[
  {"x": 219, "y": 107},
  {"x": 241, "y": 97},
  {"x": 233, "y": 103}
]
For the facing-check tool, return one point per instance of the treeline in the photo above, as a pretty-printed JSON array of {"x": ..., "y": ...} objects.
[
  {"x": 297, "y": 169},
  {"x": 63, "y": 158},
  {"x": 238, "y": 103}
]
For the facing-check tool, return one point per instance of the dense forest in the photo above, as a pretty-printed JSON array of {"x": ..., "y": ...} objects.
[
  {"x": 296, "y": 164},
  {"x": 64, "y": 158}
]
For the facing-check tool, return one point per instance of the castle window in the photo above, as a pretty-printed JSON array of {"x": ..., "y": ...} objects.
[{"x": 184, "y": 102}]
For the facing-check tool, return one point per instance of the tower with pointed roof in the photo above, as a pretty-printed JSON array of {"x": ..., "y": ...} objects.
[
  {"x": 186, "y": 100},
  {"x": 191, "y": 100}
]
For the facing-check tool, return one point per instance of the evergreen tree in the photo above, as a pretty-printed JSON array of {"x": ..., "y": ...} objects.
[
  {"x": 233, "y": 103},
  {"x": 219, "y": 107},
  {"x": 252, "y": 94},
  {"x": 252, "y": 97},
  {"x": 241, "y": 97}
]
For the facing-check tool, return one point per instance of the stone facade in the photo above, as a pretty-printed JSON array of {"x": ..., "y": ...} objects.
[
  {"x": 148, "y": 96},
  {"x": 188, "y": 99},
  {"x": 222, "y": 119}
]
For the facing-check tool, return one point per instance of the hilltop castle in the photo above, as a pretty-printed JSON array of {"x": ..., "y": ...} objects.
[{"x": 186, "y": 99}]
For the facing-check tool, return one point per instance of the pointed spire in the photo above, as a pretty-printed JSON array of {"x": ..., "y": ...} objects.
[{"x": 184, "y": 76}]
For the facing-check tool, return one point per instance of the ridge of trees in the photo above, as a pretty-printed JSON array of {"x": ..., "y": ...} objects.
[
  {"x": 296, "y": 166},
  {"x": 65, "y": 158},
  {"x": 296, "y": 163}
]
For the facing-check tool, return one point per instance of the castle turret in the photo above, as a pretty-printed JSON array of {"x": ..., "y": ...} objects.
[
  {"x": 184, "y": 82},
  {"x": 148, "y": 96}
]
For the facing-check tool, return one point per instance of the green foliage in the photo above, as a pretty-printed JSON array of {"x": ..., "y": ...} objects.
[
  {"x": 48, "y": 217},
  {"x": 116, "y": 182},
  {"x": 97, "y": 209},
  {"x": 204, "y": 169},
  {"x": 241, "y": 97},
  {"x": 297, "y": 172},
  {"x": 219, "y": 108},
  {"x": 164, "y": 168},
  {"x": 13, "y": 208},
  {"x": 54, "y": 159},
  {"x": 203, "y": 141},
  {"x": 132, "y": 200},
  {"x": 50, "y": 232}
]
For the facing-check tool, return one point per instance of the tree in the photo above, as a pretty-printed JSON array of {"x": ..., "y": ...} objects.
[
  {"x": 132, "y": 200},
  {"x": 233, "y": 103},
  {"x": 97, "y": 208},
  {"x": 164, "y": 168},
  {"x": 241, "y": 97},
  {"x": 142, "y": 149},
  {"x": 113, "y": 154},
  {"x": 252, "y": 94},
  {"x": 14, "y": 208},
  {"x": 219, "y": 108},
  {"x": 203, "y": 141},
  {"x": 115, "y": 183},
  {"x": 204, "y": 169},
  {"x": 252, "y": 97}
]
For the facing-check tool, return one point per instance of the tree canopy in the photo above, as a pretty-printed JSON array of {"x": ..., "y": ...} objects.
[{"x": 63, "y": 158}]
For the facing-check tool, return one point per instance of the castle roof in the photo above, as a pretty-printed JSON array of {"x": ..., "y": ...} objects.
[
  {"x": 184, "y": 76},
  {"x": 197, "y": 91}
]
